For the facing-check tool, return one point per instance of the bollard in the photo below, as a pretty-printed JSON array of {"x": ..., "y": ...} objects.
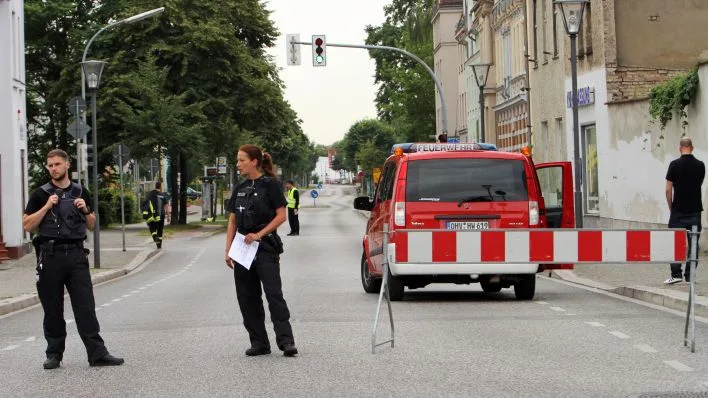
[{"x": 691, "y": 310}]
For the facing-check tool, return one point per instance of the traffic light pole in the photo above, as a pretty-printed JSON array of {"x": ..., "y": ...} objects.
[{"x": 443, "y": 104}]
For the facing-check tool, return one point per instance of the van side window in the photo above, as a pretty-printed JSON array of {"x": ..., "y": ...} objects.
[{"x": 387, "y": 184}]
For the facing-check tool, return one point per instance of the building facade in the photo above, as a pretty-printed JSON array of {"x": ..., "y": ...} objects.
[
  {"x": 621, "y": 56},
  {"x": 13, "y": 130},
  {"x": 508, "y": 21},
  {"x": 446, "y": 15},
  {"x": 481, "y": 41}
]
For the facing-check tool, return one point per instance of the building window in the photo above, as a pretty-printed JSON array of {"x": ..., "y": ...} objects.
[
  {"x": 544, "y": 30},
  {"x": 535, "y": 33},
  {"x": 591, "y": 180},
  {"x": 555, "y": 33},
  {"x": 507, "y": 54},
  {"x": 587, "y": 27}
]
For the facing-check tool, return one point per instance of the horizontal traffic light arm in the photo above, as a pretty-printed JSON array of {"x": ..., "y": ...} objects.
[{"x": 402, "y": 51}]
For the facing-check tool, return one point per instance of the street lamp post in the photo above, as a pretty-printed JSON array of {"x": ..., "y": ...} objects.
[
  {"x": 572, "y": 11},
  {"x": 481, "y": 73},
  {"x": 92, "y": 71}
]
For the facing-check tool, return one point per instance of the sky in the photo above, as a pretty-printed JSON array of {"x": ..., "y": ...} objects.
[{"x": 328, "y": 99}]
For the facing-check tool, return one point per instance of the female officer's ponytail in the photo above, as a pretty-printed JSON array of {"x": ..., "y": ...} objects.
[{"x": 267, "y": 165}]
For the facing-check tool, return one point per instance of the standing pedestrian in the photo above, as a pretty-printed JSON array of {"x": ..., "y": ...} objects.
[
  {"x": 684, "y": 179},
  {"x": 59, "y": 210},
  {"x": 257, "y": 208},
  {"x": 293, "y": 208},
  {"x": 154, "y": 213}
]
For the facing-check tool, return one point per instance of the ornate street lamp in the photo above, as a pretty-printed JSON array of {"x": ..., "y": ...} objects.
[
  {"x": 572, "y": 11},
  {"x": 481, "y": 73},
  {"x": 92, "y": 72}
]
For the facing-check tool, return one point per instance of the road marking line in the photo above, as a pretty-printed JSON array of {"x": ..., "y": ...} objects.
[
  {"x": 135, "y": 292},
  {"x": 31, "y": 338},
  {"x": 679, "y": 366},
  {"x": 559, "y": 309},
  {"x": 117, "y": 300},
  {"x": 69, "y": 321},
  {"x": 571, "y": 314},
  {"x": 596, "y": 324},
  {"x": 645, "y": 348},
  {"x": 125, "y": 295},
  {"x": 10, "y": 347},
  {"x": 619, "y": 335},
  {"x": 98, "y": 309},
  {"x": 106, "y": 305},
  {"x": 541, "y": 302}
]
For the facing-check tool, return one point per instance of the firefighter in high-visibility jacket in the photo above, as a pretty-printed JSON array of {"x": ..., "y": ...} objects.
[
  {"x": 293, "y": 208},
  {"x": 154, "y": 213}
]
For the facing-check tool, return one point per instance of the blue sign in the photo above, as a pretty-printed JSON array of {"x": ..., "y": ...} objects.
[
  {"x": 314, "y": 194},
  {"x": 319, "y": 186},
  {"x": 453, "y": 140},
  {"x": 586, "y": 96}
]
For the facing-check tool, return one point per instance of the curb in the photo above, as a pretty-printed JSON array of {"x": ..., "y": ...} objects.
[
  {"x": 10, "y": 305},
  {"x": 664, "y": 297}
]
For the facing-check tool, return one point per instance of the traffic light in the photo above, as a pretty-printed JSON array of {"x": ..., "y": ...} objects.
[
  {"x": 89, "y": 155},
  {"x": 319, "y": 50}
]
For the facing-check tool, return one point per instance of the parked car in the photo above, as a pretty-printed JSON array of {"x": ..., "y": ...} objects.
[{"x": 193, "y": 194}]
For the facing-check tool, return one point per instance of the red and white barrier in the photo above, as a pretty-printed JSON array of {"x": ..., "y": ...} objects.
[{"x": 541, "y": 246}]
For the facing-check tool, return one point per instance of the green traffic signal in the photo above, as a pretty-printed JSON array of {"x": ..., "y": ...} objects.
[{"x": 319, "y": 59}]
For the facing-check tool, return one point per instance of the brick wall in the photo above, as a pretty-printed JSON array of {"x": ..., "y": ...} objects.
[{"x": 626, "y": 83}]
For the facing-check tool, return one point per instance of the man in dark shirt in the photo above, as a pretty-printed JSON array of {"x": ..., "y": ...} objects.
[
  {"x": 683, "y": 195},
  {"x": 59, "y": 213}
]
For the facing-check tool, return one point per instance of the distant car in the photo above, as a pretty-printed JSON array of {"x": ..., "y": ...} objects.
[{"x": 192, "y": 194}]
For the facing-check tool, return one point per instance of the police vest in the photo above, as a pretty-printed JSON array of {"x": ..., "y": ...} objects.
[
  {"x": 291, "y": 198},
  {"x": 251, "y": 206},
  {"x": 64, "y": 220}
]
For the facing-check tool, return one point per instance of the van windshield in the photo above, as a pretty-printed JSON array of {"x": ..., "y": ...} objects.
[{"x": 466, "y": 180}]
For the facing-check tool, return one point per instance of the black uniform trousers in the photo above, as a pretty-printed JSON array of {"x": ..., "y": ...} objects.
[
  {"x": 685, "y": 220},
  {"x": 68, "y": 265},
  {"x": 294, "y": 221},
  {"x": 265, "y": 270},
  {"x": 156, "y": 228}
]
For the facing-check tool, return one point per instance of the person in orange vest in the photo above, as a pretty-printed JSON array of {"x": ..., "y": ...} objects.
[{"x": 293, "y": 208}]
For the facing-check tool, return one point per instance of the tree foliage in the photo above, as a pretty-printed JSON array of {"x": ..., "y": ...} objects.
[
  {"x": 673, "y": 96},
  {"x": 192, "y": 83},
  {"x": 406, "y": 93},
  {"x": 362, "y": 135}
]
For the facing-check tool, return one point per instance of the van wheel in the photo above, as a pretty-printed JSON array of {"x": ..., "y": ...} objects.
[
  {"x": 525, "y": 287},
  {"x": 490, "y": 287},
  {"x": 371, "y": 284},
  {"x": 395, "y": 287}
]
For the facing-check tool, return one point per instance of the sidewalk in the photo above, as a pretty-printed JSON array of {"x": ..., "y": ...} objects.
[{"x": 17, "y": 277}]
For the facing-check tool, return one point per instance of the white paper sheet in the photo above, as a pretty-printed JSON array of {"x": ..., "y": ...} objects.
[{"x": 241, "y": 252}]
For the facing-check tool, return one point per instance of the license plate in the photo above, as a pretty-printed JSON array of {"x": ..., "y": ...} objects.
[{"x": 467, "y": 225}]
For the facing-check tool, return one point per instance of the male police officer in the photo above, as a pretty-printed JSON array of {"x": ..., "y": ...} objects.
[
  {"x": 293, "y": 208},
  {"x": 59, "y": 209}
]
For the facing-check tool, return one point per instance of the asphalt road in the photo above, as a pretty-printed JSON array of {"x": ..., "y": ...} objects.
[{"x": 177, "y": 324}]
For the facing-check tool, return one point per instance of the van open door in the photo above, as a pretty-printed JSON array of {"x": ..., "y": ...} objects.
[{"x": 556, "y": 180}]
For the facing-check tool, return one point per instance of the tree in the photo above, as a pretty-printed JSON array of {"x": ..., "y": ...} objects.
[
  {"x": 370, "y": 156},
  {"x": 406, "y": 94},
  {"x": 364, "y": 132}
]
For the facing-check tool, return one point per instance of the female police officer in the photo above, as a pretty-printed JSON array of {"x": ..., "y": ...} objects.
[{"x": 257, "y": 208}]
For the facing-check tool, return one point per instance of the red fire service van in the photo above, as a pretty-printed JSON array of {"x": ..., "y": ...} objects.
[{"x": 461, "y": 186}]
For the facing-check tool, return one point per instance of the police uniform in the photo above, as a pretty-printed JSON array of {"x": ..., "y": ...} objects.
[
  {"x": 254, "y": 203},
  {"x": 293, "y": 206},
  {"x": 62, "y": 260}
]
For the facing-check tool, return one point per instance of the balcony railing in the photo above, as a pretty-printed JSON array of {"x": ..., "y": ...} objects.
[{"x": 447, "y": 4}]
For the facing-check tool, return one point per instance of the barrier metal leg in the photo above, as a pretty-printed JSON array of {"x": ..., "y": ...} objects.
[
  {"x": 384, "y": 292},
  {"x": 691, "y": 309}
]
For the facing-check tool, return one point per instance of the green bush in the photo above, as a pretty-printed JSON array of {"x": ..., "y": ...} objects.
[{"x": 109, "y": 207}]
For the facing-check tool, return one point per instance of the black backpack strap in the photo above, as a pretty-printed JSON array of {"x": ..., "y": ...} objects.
[
  {"x": 76, "y": 190},
  {"x": 48, "y": 188}
]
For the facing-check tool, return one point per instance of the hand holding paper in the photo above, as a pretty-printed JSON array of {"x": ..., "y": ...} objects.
[{"x": 242, "y": 252}]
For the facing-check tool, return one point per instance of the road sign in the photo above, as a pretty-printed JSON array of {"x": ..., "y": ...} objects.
[
  {"x": 314, "y": 194},
  {"x": 221, "y": 164},
  {"x": 376, "y": 174},
  {"x": 319, "y": 185},
  {"x": 294, "y": 55},
  {"x": 78, "y": 129},
  {"x": 76, "y": 105},
  {"x": 210, "y": 171},
  {"x": 453, "y": 140}
]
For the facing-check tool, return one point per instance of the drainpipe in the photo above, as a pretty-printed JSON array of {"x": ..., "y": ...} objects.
[{"x": 528, "y": 73}]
